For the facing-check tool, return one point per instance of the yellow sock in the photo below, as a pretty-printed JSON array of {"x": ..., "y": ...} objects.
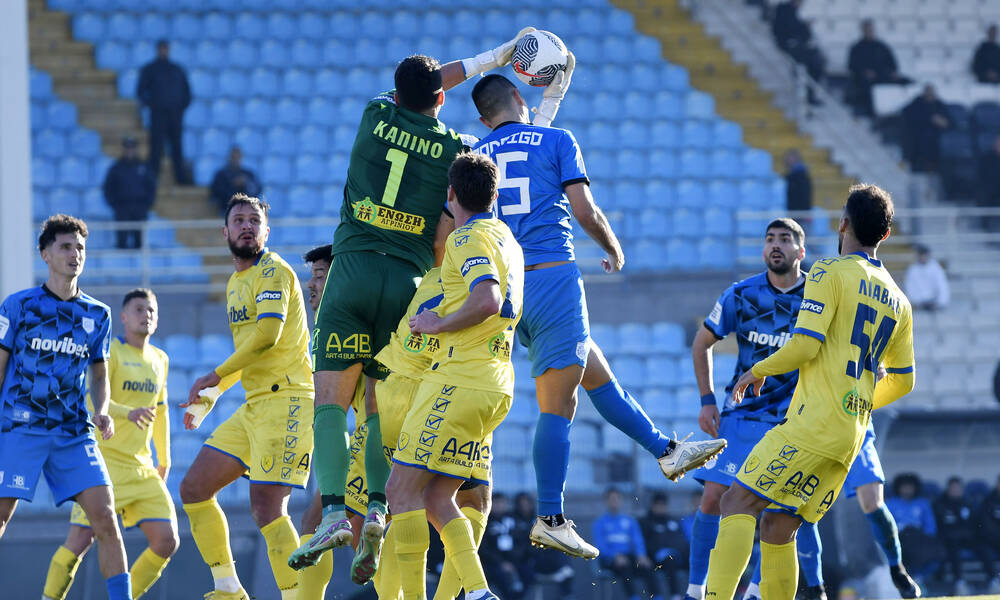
[
  {"x": 313, "y": 580},
  {"x": 459, "y": 543},
  {"x": 282, "y": 540},
  {"x": 730, "y": 556},
  {"x": 386, "y": 579},
  {"x": 779, "y": 571},
  {"x": 412, "y": 540},
  {"x": 210, "y": 531},
  {"x": 145, "y": 571},
  {"x": 61, "y": 572},
  {"x": 449, "y": 586}
]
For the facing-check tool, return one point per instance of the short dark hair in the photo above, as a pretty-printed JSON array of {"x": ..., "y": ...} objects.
[
  {"x": 57, "y": 224},
  {"x": 870, "y": 210},
  {"x": 791, "y": 225},
  {"x": 162, "y": 42},
  {"x": 612, "y": 490},
  {"x": 319, "y": 253},
  {"x": 139, "y": 293},
  {"x": 492, "y": 94},
  {"x": 658, "y": 498},
  {"x": 954, "y": 479},
  {"x": 474, "y": 177},
  {"x": 418, "y": 82},
  {"x": 253, "y": 201},
  {"x": 906, "y": 479}
]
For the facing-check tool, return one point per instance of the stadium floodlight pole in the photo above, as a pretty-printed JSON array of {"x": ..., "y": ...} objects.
[{"x": 15, "y": 151}]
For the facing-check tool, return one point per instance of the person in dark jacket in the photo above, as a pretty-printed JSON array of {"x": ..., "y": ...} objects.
[
  {"x": 794, "y": 36},
  {"x": 498, "y": 551},
  {"x": 667, "y": 545},
  {"x": 233, "y": 179},
  {"x": 798, "y": 183},
  {"x": 989, "y": 530},
  {"x": 917, "y": 528},
  {"x": 923, "y": 121},
  {"x": 871, "y": 61},
  {"x": 986, "y": 61},
  {"x": 130, "y": 191},
  {"x": 163, "y": 87},
  {"x": 536, "y": 564},
  {"x": 957, "y": 531}
]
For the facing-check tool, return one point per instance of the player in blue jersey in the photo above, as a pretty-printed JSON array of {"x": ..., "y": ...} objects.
[
  {"x": 49, "y": 337},
  {"x": 543, "y": 183}
]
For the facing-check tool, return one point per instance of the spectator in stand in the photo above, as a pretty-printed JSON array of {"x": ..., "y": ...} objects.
[
  {"x": 989, "y": 530},
  {"x": 623, "y": 549},
  {"x": 917, "y": 527},
  {"x": 163, "y": 87},
  {"x": 923, "y": 121},
  {"x": 798, "y": 183},
  {"x": 130, "y": 191},
  {"x": 535, "y": 564},
  {"x": 926, "y": 282},
  {"x": 871, "y": 61},
  {"x": 667, "y": 545},
  {"x": 233, "y": 179},
  {"x": 794, "y": 36},
  {"x": 957, "y": 530},
  {"x": 498, "y": 552},
  {"x": 986, "y": 62},
  {"x": 989, "y": 176}
]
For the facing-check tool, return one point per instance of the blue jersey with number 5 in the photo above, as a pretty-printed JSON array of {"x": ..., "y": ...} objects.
[{"x": 536, "y": 164}]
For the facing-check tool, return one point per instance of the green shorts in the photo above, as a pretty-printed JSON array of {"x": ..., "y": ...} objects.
[{"x": 366, "y": 295}]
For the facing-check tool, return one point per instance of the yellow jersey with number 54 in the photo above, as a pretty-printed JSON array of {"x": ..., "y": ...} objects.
[
  {"x": 478, "y": 357},
  {"x": 852, "y": 305}
]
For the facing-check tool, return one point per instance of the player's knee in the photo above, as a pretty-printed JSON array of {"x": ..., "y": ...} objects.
[
  {"x": 711, "y": 500},
  {"x": 264, "y": 512},
  {"x": 103, "y": 524},
  {"x": 164, "y": 545},
  {"x": 778, "y": 528}
]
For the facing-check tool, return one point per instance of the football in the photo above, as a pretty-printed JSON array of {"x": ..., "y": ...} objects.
[{"x": 538, "y": 56}]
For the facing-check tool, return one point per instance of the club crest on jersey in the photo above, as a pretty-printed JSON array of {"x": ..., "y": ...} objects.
[
  {"x": 4, "y": 326},
  {"x": 88, "y": 325},
  {"x": 813, "y": 306}
]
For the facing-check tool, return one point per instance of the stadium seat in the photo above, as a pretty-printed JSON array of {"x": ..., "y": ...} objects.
[
  {"x": 84, "y": 143},
  {"x": 240, "y": 53},
  {"x": 691, "y": 194},
  {"x": 634, "y": 338},
  {"x": 289, "y": 112},
  {"x": 183, "y": 351},
  {"x": 210, "y": 54},
  {"x": 250, "y": 25},
  {"x": 756, "y": 162},
  {"x": 203, "y": 83},
  {"x": 226, "y": 113},
  {"x": 40, "y": 84},
  {"x": 298, "y": 83},
  {"x": 275, "y": 54},
  {"x": 89, "y": 27},
  {"x": 74, "y": 172},
  {"x": 50, "y": 143},
  {"x": 215, "y": 142},
  {"x": 313, "y": 140},
  {"x": 219, "y": 26},
  {"x": 699, "y": 105},
  {"x": 308, "y": 169},
  {"x": 185, "y": 27},
  {"x": 276, "y": 171}
]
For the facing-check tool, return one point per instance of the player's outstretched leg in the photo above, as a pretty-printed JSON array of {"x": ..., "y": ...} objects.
[
  {"x": 66, "y": 560},
  {"x": 98, "y": 504},
  {"x": 366, "y": 559},
  {"x": 619, "y": 408},
  {"x": 313, "y": 580},
  {"x": 886, "y": 534}
]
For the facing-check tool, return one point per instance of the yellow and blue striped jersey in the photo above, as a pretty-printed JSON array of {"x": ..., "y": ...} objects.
[
  {"x": 410, "y": 353},
  {"x": 853, "y": 306}
]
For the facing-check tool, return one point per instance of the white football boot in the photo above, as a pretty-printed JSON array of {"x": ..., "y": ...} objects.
[
  {"x": 688, "y": 456},
  {"x": 561, "y": 537}
]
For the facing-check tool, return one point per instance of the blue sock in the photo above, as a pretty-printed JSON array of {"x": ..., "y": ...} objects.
[
  {"x": 755, "y": 561},
  {"x": 551, "y": 458},
  {"x": 619, "y": 408},
  {"x": 120, "y": 587},
  {"x": 703, "y": 534},
  {"x": 886, "y": 534},
  {"x": 810, "y": 549}
]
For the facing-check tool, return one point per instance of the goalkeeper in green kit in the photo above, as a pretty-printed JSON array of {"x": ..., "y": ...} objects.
[{"x": 393, "y": 212}]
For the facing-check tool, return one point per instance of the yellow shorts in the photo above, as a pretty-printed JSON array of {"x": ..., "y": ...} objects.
[
  {"x": 140, "y": 495},
  {"x": 272, "y": 437},
  {"x": 448, "y": 431},
  {"x": 794, "y": 479}
]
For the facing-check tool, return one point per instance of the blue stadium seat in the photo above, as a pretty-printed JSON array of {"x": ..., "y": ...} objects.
[
  {"x": 74, "y": 172},
  {"x": 752, "y": 193},
  {"x": 630, "y": 371},
  {"x": 233, "y": 83},
  {"x": 715, "y": 253},
  {"x": 644, "y": 78},
  {"x": 322, "y": 111},
  {"x": 289, "y": 112},
  {"x": 275, "y": 54},
  {"x": 302, "y": 201},
  {"x": 469, "y": 22},
  {"x": 215, "y": 142},
  {"x": 218, "y": 26},
  {"x": 329, "y": 82},
  {"x": 719, "y": 221},
  {"x": 632, "y": 164},
  {"x": 336, "y": 169},
  {"x": 185, "y": 27},
  {"x": 696, "y": 134},
  {"x": 778, "y": 193},
  {"x": 127, "y": 82},
  {"x": 276, "y": 171},
  {"x": 50, "y": 143},
  {"x": 298, "y": 83},
  {"x": 660, "y": 192},
  {"x": 646, "y": 49},
  {"x": 141, "y": 52},
  {"x": 112, "y": 55},
  {"x": 40, "y": 85},
  {"x": 654, "y": 224},
  {"x": 606, "y": 336},
  {"x": 197, "y": 115},
  {"x": 675, "y": 78},
  {"x": 214, "y": 348},
  {"x": 240, "y": 53},
  {"x": 250, "y": 26},
  {"x": 699, "y": 105},
  {"x": 434, "y": 22},
  {"x": 591, "y": 22},
  {"x": 84, "y": 143},
  {"x": 369, "y": 53},
  {"x": 681, "y": 254},
  {"x": 211, "y": 54},
  {"x": 204, "y": 169},
  {"x": 281, "y": 141},
  {"x": 602, "y": 135},
  {"x": 688, "y": 223},
  {"x": 756, "y": 162},
  {"x": 601, "y": 165},
  {"x": 727, "y": 134},
  {"x": 203, "y": 82},
  {"x": 312, "y": 26},
  {"x": 669, "y": 337},
  {"x": 281, "y": 26},
  {"x": 183, "y": 351},
  {"x": 618, "y": 22},
  {"x": 694, "y": 163},
  {"x": 122, "y": 26},
  {"x": 264, "y": 82},
  {"x": 89, "y": 27},
  {"x": 691, "y": 194},
  {"x": 627, "y": 194},
  {"x": 314, "y": 140},
  {"x": 617, "y": 50},
  {"x": 343, "y": 24},
  {"x": 665, "y": 134},
  {"x": 226, "y": 113},
  {"x": 65, "y": 200},
  {"x": 725, "y": 163},
  {"x": 362, "y": 80},
  {"x": 307, "y": 53},
  {"x": 661, "y": 370},
  {"x": 667, "y": 105},
  {"x": 634, "y": 338},
  {"x": 309, "y": 169}
]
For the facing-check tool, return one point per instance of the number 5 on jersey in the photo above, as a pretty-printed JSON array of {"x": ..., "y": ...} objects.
[{"x": 518, "y": 183}]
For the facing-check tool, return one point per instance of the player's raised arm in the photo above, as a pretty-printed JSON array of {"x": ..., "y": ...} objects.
[
  {"x": 458, "y": 71},
  {"x": 593, "y": 221},
  {"x": 900, "y": 376}
]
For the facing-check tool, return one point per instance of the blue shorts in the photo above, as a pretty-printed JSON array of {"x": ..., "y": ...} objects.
[
  {"x": 867, "y": 468},
  {"x": 742, "y": 435},
  {"x": 71, "y": 464},
  {"x": 554, "y": 324}
]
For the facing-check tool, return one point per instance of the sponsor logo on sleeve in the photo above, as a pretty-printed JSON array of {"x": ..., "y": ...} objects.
[
  {"x": 268, "y": 295},
  {"x": 716, "y": 315},
  {"x": 813, "y": 306},
  {"x": 473, "y": 262},
  {"x": 4, "y": 326}
]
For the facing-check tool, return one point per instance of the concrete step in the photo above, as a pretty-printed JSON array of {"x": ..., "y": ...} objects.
[
  {"x": 63, "y": 62},
  {"x": 111, "y": 119},
  {"x": 82, "y": 91},
  {"x": 63, "y": 75},
  {"x": 57, "y": 44}
]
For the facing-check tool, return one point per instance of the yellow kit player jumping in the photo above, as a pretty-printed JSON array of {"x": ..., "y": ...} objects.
[
  {"x": 138, "y": 374},
  {"x": 853, "y": 318},
  {"x": 467, "y": 390},
  {"x": 269, "y": 438}
]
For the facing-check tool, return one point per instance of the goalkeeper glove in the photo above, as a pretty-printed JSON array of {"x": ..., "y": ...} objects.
[
  {"x": 553, "y": 95},
  {"x": 491, "y": 59}
]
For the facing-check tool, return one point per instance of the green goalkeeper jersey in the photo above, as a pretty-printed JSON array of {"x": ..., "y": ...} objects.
[{"x": 397, "y": 183}]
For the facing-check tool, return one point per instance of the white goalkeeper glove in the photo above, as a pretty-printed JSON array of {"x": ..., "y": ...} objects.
[
  {"x": 200, "y": 409},
  {"x": 553, "y": 95},
  {"x": 492, "y": 59}
]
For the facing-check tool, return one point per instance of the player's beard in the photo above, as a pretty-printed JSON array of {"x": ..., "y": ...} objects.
[
  {"x": 781, "y": 268},
  {"x": 245, "y": 252}
]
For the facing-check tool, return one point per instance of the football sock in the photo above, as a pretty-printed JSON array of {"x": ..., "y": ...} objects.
[
  {"x": 619, "y": 408},
  {"x": 386, "y": 579},
  {"x": 281, "y": 539},
  {"x": 730, "y": 555},
  {"x": 376, "y": 467},
  {"x": 332, "y": 455},
  {"x": 460, "y": 545},
  {"x": 313, "y": 580},
  {"x": 553, "y": 520},
  {"x": 703, "y": 534},
  {"x": 119, "y": 587},
  {"x": 412, "y": 540},
  {"x": 211, "y": 534},
  {"x": 551, "y": 458},
  {"x": 146, "y": 570},
  {"x": 780, "y": 570},
  {"x": 450, "y": 585},
  {"x": 61, "y": 571},
  {"x": 810, "y": 551},
  {"x": 886, "y": 534}
]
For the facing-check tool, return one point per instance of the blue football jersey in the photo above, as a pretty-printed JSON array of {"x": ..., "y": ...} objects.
[
  {"x": 51, "y": 343},
  {"x": 762, "y": 317},
  {"x": 536, "y": 164}
]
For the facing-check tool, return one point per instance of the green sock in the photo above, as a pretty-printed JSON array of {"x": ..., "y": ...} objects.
[
  {"x": 331, "y": 454},
  {"x": 376, "y": 466}
]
